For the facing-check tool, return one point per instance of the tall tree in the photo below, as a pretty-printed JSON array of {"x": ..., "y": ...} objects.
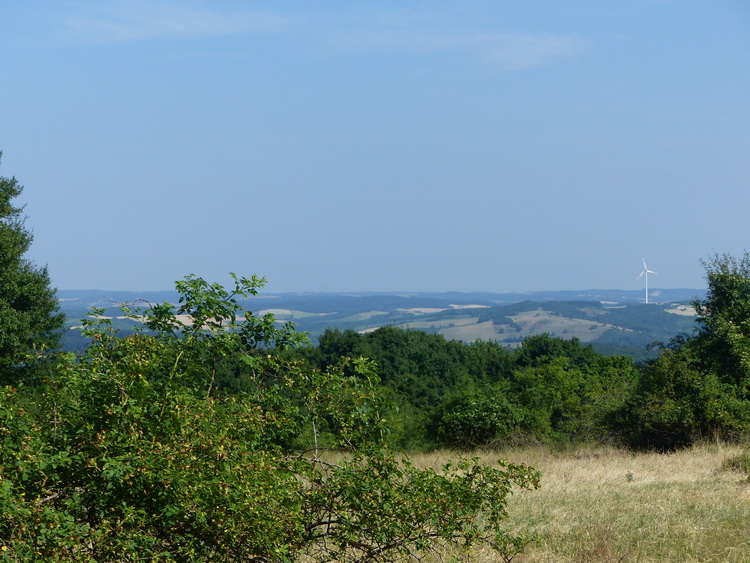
[
  {"x": 30, "y": 318},
  {"x": 724, "y": 318},
  {"x": 699, "y": 386}
]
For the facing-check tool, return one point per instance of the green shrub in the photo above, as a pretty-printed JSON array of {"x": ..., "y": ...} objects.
[
  {"x": 131, "y": 453},
  {"x": 473, "y": 419}
]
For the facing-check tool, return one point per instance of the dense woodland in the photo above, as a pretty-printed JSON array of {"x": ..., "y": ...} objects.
[
  {"x": 446, "y": 393},
  {"x": 228, "y": 437}
]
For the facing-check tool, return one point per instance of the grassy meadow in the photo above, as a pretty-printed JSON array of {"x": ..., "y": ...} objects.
[{"x": 602, "y": 504}]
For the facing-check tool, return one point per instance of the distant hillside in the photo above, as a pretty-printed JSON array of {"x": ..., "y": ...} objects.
[
  {"x": 610, "y": 328},
  {"x": 614, "y": 321}
]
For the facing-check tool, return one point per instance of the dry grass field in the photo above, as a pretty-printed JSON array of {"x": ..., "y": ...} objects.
[
  {"x": 527, "y": 323},
  {"x": 599, "y": 504}
]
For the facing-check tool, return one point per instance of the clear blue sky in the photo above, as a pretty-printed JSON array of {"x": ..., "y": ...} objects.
[{"x": 379, "y": 146}]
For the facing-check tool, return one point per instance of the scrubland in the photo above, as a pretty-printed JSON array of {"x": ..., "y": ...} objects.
[{"x": 602, "y": 504}]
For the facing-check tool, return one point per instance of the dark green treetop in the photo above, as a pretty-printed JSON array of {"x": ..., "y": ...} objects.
[
  {"x": 724, "y": 318},
  {"x": 699, "y": 385},
  {"x": 30, "y": 318}
]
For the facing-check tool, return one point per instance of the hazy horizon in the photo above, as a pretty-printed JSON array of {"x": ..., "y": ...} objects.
[{"x": 268, "y": 291}]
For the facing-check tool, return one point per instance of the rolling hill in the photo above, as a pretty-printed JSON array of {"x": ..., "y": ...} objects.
[{"x": 614, "y": 321}]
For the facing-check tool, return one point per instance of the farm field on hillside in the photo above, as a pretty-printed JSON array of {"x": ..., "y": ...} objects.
[
  {"x": 601, "y": 504},
  {"x": 615, "y": 323}
]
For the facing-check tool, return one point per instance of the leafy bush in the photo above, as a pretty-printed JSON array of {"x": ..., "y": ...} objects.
[
  {"x": 131, "y": 452},
  {"x": 473, "y": 419}
]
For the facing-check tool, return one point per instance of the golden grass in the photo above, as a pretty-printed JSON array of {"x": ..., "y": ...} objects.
[{"x": 605, "y": 504}]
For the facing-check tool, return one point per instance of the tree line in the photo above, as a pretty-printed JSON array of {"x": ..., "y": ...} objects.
[
  {"x": 449, "y": 394},
  {"x": 552, "y": 390}
]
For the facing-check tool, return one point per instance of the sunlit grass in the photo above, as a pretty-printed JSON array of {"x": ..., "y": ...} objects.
[{"x": 605, "y": 504}]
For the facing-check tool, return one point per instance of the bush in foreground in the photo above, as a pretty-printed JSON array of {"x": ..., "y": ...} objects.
[{"x": 135, "y": 452}]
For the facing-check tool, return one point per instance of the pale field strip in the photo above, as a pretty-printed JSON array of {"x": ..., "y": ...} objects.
[
  {"x": 470, "y": 321},
  {"x": 423, "y": 310},
  {"x": 469, "y": 332},
  {"x": 367, "y": 315},
  {"x": 530, "y": 322},
  {"x": 427, "y": 310},
  {"x": 686, "y": 310},
  {"x": 542, "y": 321},
  {"x": 286, "y": 315}
]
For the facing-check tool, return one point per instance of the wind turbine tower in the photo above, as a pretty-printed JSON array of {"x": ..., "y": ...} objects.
[{"x": 645, "y": 273}]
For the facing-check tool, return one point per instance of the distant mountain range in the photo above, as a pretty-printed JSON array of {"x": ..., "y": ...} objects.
[{"x": 614, "y": 321}]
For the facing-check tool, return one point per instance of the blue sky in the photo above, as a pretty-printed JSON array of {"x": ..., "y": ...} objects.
[{"x": 379, "y": 146}]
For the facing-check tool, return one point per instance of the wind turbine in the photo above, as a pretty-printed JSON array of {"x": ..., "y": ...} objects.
[{"x": 645, "y": 272}]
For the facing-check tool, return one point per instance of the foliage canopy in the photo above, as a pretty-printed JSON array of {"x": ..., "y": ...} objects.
[
  {"x": 699, "y": 386},
  {"x": 138, "y": 450}
]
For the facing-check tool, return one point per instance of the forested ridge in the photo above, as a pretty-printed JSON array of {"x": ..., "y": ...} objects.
[
  {"x": 208, "y": 432},
  {"x": 623, "y": 327}
]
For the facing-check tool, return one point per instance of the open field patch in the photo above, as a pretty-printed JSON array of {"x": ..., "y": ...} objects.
[
  {"x": 600, "y": 504},
  {"x": 540, "y": 321},
  {"x": 686, "y": 310},
  {"x": 470, "y": 333},
  {"x": 422, "y": 310},
  {"x": 439, "y": 324},
  {"x": 289, "y": 313},
  {"x": 364, "y": 316}
]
